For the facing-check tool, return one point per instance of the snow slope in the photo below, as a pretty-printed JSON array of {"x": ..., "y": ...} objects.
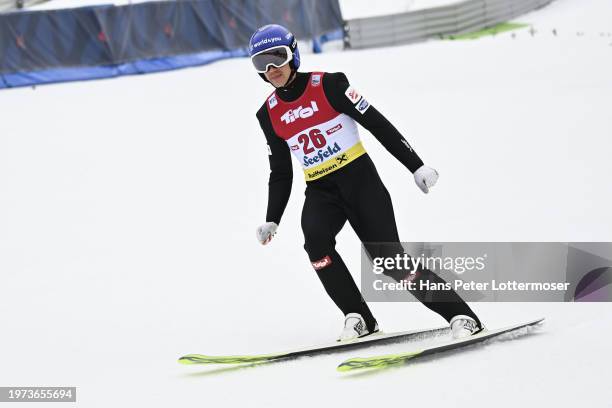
[{"x": 128, "y": 209}]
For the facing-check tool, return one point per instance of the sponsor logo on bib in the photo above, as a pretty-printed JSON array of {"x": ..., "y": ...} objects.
[
  {"x": 272, "y": 102},
  {"x": 300, "y": 113},
  {"x": 334, "y": 129},
  {"x": 321, "y": 155}
]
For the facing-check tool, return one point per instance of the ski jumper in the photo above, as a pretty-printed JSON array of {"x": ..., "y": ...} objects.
[{"x": 315, "y": 119}]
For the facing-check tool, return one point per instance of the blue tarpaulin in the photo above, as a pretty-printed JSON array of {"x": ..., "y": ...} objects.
[{"x": 105, "y": 41}]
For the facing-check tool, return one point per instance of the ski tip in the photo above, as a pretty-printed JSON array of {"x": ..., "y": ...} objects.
[
  {"x": 536, "y": 322},
  {"x": 189, "y": 359},
  {"x": 201, "y": 359},
  {"x": 350, "y": 364}
]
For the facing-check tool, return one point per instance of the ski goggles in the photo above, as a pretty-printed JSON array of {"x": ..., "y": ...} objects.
[{"x": 277, "y": 57}]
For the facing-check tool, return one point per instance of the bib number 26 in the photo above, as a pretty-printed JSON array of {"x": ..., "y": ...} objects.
[{"x": 314, "y": 136}]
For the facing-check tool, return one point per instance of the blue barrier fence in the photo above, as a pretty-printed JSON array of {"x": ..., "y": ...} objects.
[{"x": 105, "y": 41}]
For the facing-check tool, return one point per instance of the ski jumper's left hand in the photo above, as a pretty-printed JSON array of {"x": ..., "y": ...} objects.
[
  {"x": 265, "y": 232},
  {"x": 425, "y": 177}
]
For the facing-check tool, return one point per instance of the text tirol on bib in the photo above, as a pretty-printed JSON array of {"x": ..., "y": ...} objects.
[{"x": 322, "y": 139}]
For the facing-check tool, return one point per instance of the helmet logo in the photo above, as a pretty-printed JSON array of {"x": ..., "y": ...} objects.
[{"x": 266, "y": 41}]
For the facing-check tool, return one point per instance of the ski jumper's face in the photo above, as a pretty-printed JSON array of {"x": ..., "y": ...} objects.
[{"x": 278, "y": 76}]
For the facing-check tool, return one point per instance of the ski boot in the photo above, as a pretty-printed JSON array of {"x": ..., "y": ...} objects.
[
  {"x": 464, "y": 326},
  {"x": 355, "y": 327}
]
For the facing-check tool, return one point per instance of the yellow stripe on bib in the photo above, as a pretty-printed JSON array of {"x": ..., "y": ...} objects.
[{"x": 335, "y": 163}]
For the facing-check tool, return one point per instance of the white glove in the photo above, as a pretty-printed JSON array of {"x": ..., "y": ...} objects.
[
  {"x": 266, "y": 231},
  {"x": 425, "y": 177}
]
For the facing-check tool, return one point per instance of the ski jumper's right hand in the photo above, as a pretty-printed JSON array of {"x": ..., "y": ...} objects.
[
  {"x": 265, "y": 232},
  {"x": 425, "y": 177}
]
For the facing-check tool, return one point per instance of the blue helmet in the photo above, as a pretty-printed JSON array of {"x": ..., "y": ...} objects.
[{"x": 273, "y": 35}]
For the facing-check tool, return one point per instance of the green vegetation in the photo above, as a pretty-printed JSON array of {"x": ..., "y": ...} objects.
[{"x": 500, "y": 28}]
